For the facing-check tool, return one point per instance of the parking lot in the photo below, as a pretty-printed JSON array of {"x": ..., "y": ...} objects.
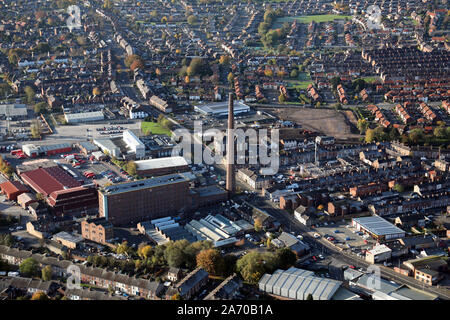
[
  {"x": 9, "y": 208},
  {"x": 98, "y": 168},
  {"x": 345, "y": 236}
]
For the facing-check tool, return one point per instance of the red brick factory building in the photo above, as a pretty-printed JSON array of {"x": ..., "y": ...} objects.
[{"x": 61, "y": 192}]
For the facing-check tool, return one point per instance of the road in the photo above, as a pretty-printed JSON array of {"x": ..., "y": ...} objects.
[{"x": 293, "y": 225}]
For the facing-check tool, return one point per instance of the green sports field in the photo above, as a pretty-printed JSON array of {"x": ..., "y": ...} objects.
[{"x": 307, "y": 19}]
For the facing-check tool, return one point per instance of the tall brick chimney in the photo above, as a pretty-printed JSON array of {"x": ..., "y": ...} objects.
[{"x": 230, "y": 183}]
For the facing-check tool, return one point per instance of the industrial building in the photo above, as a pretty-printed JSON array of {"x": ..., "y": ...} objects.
[
  {"x": 298, "y": 284},
  {"x": 161, "y": 166},
  {"x": 378, "y": 254},
  {"x": 128, "y": 146},
  {"x": 61, "y": 191},
  {"x": 84, "y": 116},
  {"x": 217, "y": 229},
  {"x": 154, "y": 198},
  {"x": 13, "y": 110},
  {"x": 13, "y": 189},
  {"x": 108, "y": 146},
  {"x": 220, "y": 109},
  {"x": 143, "y": 199},
  {"x": 98, "y": 230},
  {"x": 34, "y": 151},
  {"x": 165, "y": 229},
  {"x": 377, "y": 228},
  {"x": 134, "y": 144}
]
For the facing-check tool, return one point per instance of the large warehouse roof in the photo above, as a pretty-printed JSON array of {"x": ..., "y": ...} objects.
[
  {"x": 48, "y": 180},
  {"x": 160, "y": 163},
  {"x": 298, "y": 284},
  {"x": 13, "y": 110},
  {"x": 221, "y": 108},
  {"x": 147, "y": 183},
  {"x": 378, "y": 226}
]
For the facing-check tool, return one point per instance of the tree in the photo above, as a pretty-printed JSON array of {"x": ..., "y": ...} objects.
[
  {"x": 130, "y": 59},
  {"x": 211, "y": 260},
  {"x": 309, "y": 297},
  {"x": 286, "y": 258},
  {"x": 415, "y": 136},
  {"x": 268, "y": 73},
  {"x": 123, "y": 248},
  {"x": 132, "y": 168},
  {"x": 81, "y": 40},
  {"x": 4, "y": 266},
  {"x": 145, "y": 251},
  {"x": 7, "y": 240},
  {"x": 294, "y": 73},
  {"x": 359, "y": 84},
  {"x": 175, "y": 254},
  {"x": 40, "y": 107},
  {"x": 254, "y": 264},
  {"x": 29, "y": 267},
  {"x": 224, "y": 59},
  {"x": 29, "y": 92},
  {"x": 96, "y": 91},
  {"x": 47, "y": 273},
  {"x": 399, "y": 188},
  {"x": 440, "y": 132},
  {"x": 40, "y": 295},
  {"x": 229, "y": 262},
  {"x": 335, "y": 81},
  {"x": 137, "y": 64},
  {"x": 192, "y": 19},
  {"x": 257, "y": 224},
  {"x": 42, "y": 47},
  {"x": 198, "y": 66},
  {"x": 176, "y": 296},
  {"x": 370, "y": 135},
  {"x": 230, "y": 78},
  {"x": 35, "y": 129},
  {"x": 362, "y": 125}
]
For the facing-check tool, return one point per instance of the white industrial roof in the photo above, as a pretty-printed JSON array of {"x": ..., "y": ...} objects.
[
  {"x": 378, "y": 226},
  {"x": 221, "y": 108},
  {"x": 84, "y": 115},
  {"x": 13, "y": 109},
  {"x": 379, "y": 249},
  {"x": 160, "y": 163},
  {"x": 298, "y": 284}
]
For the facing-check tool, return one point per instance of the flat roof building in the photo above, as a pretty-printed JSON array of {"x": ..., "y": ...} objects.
[
  {"x": 134, "y": 144},
  {"x": 161, "y": 166},
  {"x": 13, "y": 110},
  {"x": 144, "y": 199},
  {"x": 378, "y": 228},
  {"x": 84, "y": 116},
  {"x": 107, "y": 146},
  {"x": 298, "y": 284},
  {"x": 220, "y": 109}
]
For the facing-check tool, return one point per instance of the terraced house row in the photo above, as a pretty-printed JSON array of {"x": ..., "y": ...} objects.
[{"x": 89, "y": 275}]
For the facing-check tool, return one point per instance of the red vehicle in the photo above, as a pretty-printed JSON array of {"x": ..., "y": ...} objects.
[
  {"x": 89, "y": 174},
  {"x": 314, "y": 258},
  {"x": 352, "y": 267},
  {"x": 15, "y": 152}
]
